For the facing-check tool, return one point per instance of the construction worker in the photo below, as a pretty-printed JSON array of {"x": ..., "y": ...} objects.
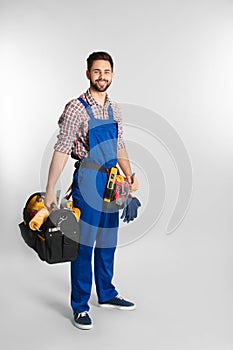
[{"x": 91, "y": 132}]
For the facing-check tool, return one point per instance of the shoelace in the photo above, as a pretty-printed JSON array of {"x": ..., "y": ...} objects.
[
  {"x": 82, "y": 314},
  {"x": 119, "y": 297}
]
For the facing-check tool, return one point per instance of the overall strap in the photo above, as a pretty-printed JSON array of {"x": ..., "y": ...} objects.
[
  {"x": 88, "y": 107},
  {"x": 110, "y": 112},
  {"x": 90, "y": 112}
]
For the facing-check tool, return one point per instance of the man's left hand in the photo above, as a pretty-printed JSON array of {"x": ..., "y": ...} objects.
[{"x": 133, "y": 181}]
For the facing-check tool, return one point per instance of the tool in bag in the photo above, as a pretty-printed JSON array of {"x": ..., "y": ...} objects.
[{"x": 53, "y": 234}]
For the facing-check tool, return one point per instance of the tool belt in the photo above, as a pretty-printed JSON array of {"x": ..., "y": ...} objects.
[
  {"x": 115, "y": 196},
  {"x": 79, "y": 163},
  {"x": 53, "y": 236},
  {"x": 117, "y": 190}
]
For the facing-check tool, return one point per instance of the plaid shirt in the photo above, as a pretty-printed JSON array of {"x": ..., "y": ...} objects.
[{"x": 73, "y": 123}]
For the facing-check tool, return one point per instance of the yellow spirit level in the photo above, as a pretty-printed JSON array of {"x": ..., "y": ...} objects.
[{"x": 108, "y": 196}]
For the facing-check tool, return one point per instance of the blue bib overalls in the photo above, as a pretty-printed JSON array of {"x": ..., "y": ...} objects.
[{"x": 98, "y": 226}]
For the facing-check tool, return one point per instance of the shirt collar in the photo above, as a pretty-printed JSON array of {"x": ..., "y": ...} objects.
[{"x": 91, "y": 101}]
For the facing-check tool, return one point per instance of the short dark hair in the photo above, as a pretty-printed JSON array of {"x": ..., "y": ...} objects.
[{"x": 100, "y": 55}]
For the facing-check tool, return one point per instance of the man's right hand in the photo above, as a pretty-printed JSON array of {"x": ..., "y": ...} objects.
[{"x": 50, "y": 200}]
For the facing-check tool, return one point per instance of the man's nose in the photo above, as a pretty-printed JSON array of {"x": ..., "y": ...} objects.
[{"x": 102, "y": 75}]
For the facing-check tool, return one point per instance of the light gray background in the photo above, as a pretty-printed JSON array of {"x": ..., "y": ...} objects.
[{"x": 175, "y": 58}]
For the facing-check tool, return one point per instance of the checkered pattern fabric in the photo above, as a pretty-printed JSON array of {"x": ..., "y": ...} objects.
[{"x": 73, "y": 124}]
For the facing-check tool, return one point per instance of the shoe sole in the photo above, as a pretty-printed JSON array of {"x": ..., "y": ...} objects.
[
  {"x": 83, "y": 326},
  {"x": 124, "y": 308}
]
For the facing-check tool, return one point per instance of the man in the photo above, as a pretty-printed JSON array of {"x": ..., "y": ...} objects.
[{"x": 91, "y": 132}]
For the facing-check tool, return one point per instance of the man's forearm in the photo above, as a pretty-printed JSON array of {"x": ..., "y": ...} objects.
[
  {"x": 57, "y": 165},
  {"x": 123, "y": 162}
]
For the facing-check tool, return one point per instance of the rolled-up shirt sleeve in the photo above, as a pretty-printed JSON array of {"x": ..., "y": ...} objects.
[
  {"x": 118, "y": 118},
  {"x": 121, "y": 141},
  {"x": 68, "y": 125}
]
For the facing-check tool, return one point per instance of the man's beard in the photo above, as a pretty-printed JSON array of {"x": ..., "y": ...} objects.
[{"x": 99, "y": 88}]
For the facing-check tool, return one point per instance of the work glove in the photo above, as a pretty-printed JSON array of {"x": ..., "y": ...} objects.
[{"x": 130, "y": 210}]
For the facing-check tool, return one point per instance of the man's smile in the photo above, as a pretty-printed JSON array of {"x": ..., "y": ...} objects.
[{"x": 102, "y": 82}]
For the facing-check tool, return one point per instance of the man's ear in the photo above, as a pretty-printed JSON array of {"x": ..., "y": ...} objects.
[{"x": 88, "y": 74}]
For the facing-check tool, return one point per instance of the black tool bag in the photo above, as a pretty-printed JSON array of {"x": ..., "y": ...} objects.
[{"x": 57, "y": 240}]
